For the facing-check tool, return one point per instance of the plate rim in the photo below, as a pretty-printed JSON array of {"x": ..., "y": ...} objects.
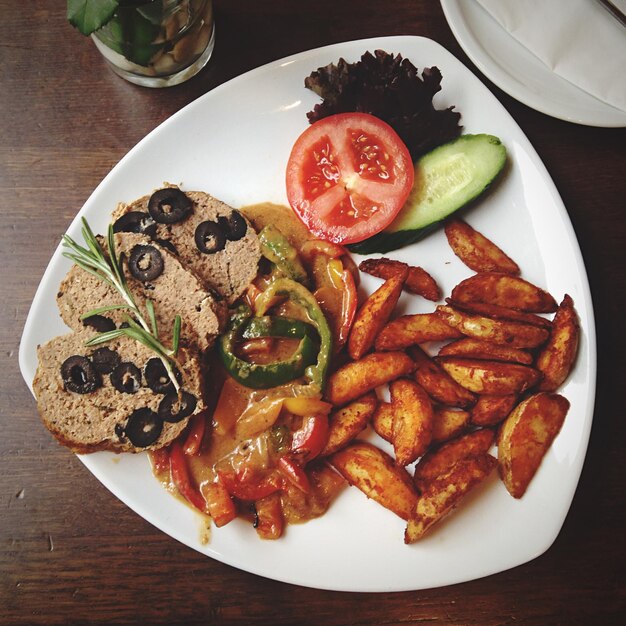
[{"x": 550, "y": 187}]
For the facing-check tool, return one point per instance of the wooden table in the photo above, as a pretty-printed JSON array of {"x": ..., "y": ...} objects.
[{"x": 69, "y": 550}]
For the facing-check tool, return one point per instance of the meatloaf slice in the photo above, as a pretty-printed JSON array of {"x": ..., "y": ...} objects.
[
  {"x": 228, "y": 265},
  {"x": 80, "y": 405},
  {"x": 175, "y": 290}
]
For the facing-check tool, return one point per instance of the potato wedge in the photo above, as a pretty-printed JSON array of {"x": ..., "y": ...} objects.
[
  {"x": 505, "y": 290},
  {"x": 440, "y": 460},
  {"x": 437, "y": 383},
  {"x": 409, "y": 330},
  {"x": 418, "y": 280},
  {"x": 491, "y": 410},
  {"x": 373, "y": 315},
  {"x": 556, "y": 359},
  {"x": 355, "y": 379},
  {"x": 525, "y": 437},
  {"x": 373, "y": 472},
  {"x": 412, "y": 420},
  {"x": 382, "y": 421},
  {"x": 346, "y": 423},
  {"x": 490, "y": 377},
  {"x": 445, "y": 492},
  {"x": 476, "y": 251},
  {"x": 480, "y": 349},
  {"x": 449, "y": 423},
  {"x": 498, "y": 312},
  {"x": 504, "y": 332}
]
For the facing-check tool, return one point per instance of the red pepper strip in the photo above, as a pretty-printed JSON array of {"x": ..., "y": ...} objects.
[
  {"x": 317, "y": 246},
  {"x": 248, "y": 486},
  {"x": 348, "y": 306},
  {"x": 160, "y": 460},
  {"x": 310, "y": 439},
  {"x": 180, "y": 477},
  {"x": 269, "y": 521},
  {"x": 219, "y": 504},
  {"x": 193, "y": 442},
  {"x": 295, "y": 473}
]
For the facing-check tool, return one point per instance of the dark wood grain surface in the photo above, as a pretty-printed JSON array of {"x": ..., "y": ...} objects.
[{"x": 70, "y": 552}]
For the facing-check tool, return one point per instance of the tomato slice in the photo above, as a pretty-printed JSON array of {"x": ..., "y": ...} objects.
[{"x": 348, "y": 176}]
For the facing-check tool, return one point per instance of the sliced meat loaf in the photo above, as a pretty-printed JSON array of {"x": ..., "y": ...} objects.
[
  {"x": 114, "y": 396},
  {"x": 210, "y": 237},
  {"x": 172, "y": 289}
]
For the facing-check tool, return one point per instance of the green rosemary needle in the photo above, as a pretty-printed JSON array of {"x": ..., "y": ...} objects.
[{"x": 108, "y": 268}]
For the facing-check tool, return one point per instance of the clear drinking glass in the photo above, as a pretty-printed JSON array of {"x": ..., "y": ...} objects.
[{"x": 158, "y": 43}]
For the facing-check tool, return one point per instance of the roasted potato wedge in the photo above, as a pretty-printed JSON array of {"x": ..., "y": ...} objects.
[
  {"x": 490, "y": 377},
  {"x": 373, "y": 472},
  {"x": 409, "y": 330},
  {"x": 476, "y": 251},
  {"x": 480, "y": 349},
  {"x": 504, "y": 290},
  {"x": 373, "y": 315},
  {"x": 437, "y": 383},
  {"x": 498, "y": 312},
  {"x": 418, "y": 280},
  {"x": 504, "y": 332},
  {"x": 445, "y": 492},
  {"x": 356, "y": 378},
  {"x": 346, "y": 423},
  {"x": 438, "y": 461},
  {"x": 382, "y": 421},
  {"x": 556, "y": 359},
  {"x": 525, "y": 437},
  {"x": 449, "y": 423},
  {"x": 491, "y": 410},
  {"x": 412, "y": 420}
]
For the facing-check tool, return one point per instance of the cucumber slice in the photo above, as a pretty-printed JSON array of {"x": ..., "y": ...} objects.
[{"x": 446, "y": 179}]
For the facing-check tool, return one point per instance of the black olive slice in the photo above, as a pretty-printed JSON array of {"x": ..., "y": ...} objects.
[
  {"x": 169, "y": 206},
  {"x": 145, "y": 263},
  {"x": 135, "y": 222},
  {"x": 79, "y": 374},
  {"x": 168, "y": 245},
  {"x": 99, "y": 323},
  {"x": 105, "y": 360},
  {"x": 157, "y": 377},
  {"x": 143, "y": 428},
  {"x": 126, "y": 377},
  {"x": 174, "y": 409},
  {"x": 234, "y": 226},
  {"x": 210, "y": 237}
]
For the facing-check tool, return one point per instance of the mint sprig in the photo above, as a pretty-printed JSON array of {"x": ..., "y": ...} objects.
[{"x": 90, "y": 15}]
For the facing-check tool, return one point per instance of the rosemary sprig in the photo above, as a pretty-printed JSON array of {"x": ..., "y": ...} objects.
[{"x": 93, "y": 259}]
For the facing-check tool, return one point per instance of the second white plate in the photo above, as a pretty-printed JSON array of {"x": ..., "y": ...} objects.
[{"x": 519, "y": 73}]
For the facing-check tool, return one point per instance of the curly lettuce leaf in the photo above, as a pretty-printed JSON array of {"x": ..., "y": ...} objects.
[{"x": 389, "y": 87}]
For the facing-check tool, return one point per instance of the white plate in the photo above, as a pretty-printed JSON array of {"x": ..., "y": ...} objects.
[
  {"x": 234, "y": 143},
  {"x": 521, "y": 74}
]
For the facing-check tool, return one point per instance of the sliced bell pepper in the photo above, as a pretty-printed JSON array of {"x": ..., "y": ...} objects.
[
  {"x": 295, "y": 473},
  {"x": 269, "y": 521},
  {"x": 309, "y": 440},
  {"x": 303, "y": 297},
  {"x": 180, "y": 477},
  {"x": 249, "y": 485},
  {"x": 276, "y": 248},
  {"x": 219, "y": 504},
  {"x": 265, "y": 376},
  {"x": 193, "y": 441}
]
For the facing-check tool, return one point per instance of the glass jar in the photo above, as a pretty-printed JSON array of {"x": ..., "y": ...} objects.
[{"x": 158, "y": 43}]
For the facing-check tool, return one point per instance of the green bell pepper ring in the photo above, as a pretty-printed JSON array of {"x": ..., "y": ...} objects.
[
  {"x": 276, "y": 248},
  {"x": 265, "y": 376},
  {"x": 303, "y": 297}
]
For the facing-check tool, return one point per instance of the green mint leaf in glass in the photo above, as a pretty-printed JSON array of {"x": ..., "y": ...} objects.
[{"x": 90, "y": 15}]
